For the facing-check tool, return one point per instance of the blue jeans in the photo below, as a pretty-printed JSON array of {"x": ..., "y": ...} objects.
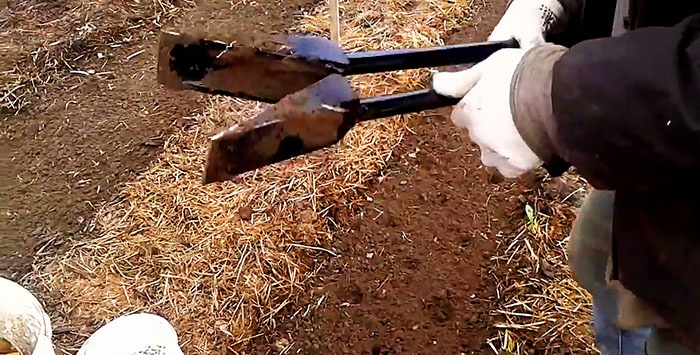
[
  {"x": 611, "y": 339},
  {"x": 589, "y": 250}
]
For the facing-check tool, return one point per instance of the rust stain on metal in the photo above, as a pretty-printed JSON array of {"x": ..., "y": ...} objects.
[
  {"x": 249, "y": 146},
  {"x": 267, "y": 71},
  {"x": 297, "y": 124},
  {"x": 241, "y": 70}
]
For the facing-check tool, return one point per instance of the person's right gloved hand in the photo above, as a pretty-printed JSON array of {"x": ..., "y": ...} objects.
[
  {"x": 529, "y": 21},
  {"x": 504, "y": 101}
]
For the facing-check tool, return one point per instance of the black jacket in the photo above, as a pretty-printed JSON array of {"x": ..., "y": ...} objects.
[{"x": 625, "y": 111}]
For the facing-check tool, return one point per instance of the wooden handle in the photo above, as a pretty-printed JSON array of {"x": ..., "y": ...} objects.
[{"x": 335, "y": 21}]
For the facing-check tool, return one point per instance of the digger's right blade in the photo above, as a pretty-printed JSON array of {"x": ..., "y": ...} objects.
[
  {"x": 305, "y": 121},
  {"x": 266, "y": 71}
]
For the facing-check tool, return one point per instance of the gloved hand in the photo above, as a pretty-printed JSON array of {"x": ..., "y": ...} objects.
[
  {"x": 485, "y": 111},
  {"x": 528, "y": 21}
]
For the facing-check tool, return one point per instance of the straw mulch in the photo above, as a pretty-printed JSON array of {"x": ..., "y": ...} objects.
[
  {"x": 221, "y": 261},
  {"x": 540, "y": 305},
  {"x": 43, "y": 42}
]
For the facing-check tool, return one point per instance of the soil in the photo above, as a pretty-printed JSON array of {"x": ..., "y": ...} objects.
[
  {"x": 415, "y": 275},
  {"x": 83, "y": 137}
]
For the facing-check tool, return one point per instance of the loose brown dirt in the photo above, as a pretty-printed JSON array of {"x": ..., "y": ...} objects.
[
  {"x": 84, "y": 136},
  {"x": 416, "y": 274},
  {"x": 413, "y": 275}
]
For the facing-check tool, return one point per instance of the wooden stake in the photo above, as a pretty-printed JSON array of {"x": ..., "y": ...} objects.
[{"x": 335, "y": 21}]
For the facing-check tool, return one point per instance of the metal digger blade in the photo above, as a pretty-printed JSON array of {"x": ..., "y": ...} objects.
[
  {"x": 264, "y": 71},
  {"x": 308, "y": 120}
]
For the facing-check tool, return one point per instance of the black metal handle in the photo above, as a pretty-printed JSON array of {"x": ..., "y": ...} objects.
[
  {"x": 404, "y": 59},
  {"x": 391, "y": 105},
  {"x": 417, "y": 101}
]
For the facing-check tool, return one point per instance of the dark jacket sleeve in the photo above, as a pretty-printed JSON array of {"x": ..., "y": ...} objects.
[{"x": 624, "y": 111}]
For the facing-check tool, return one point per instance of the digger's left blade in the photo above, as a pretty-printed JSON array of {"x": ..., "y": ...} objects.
[{"x": 266, "y": 71}]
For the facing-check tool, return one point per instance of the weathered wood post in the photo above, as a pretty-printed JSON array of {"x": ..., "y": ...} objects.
[{"x": 335, "y": 21}]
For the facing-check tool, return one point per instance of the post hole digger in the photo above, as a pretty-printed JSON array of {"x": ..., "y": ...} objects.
[{"x": 306, "y": 79}]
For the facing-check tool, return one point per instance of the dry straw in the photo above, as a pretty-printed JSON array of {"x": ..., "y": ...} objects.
[
  {"x": 39, "y": 47},
  {"x": 540, "y": 306},
  {"x": 171, "y": 246},
  {"x": 221, "y": 261}
]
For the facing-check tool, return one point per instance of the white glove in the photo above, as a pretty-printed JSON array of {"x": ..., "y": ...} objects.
[
  {"x": 528, "y": 21},
  {"x": 485, "y": 111},
  {"x": 140, "y": 333},
  {"x": 24, "y": 323}
]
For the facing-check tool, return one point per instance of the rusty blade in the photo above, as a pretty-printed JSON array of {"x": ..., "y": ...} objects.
[
  {"x": 308, "y": 120},
  {"x": 265, "y": 71},
  {"x": 316, "y": 117}
]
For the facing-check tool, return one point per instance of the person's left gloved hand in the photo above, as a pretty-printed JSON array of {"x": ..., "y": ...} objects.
[
  {"x": 529, "y": 21},
  {"x": 485, "y": 111}
]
